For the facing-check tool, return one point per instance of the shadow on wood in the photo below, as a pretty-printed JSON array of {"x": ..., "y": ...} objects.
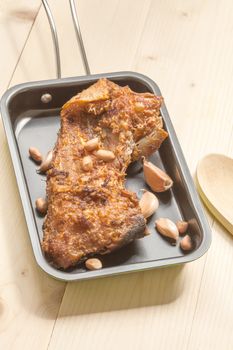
[{"x": 135, "y": 290}]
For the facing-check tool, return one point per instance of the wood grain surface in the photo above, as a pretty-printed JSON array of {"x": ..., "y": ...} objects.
[{"x": 186, "y": 47}]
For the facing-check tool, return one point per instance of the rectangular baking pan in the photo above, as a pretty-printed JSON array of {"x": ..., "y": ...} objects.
[{"x": 30, "y": 122}]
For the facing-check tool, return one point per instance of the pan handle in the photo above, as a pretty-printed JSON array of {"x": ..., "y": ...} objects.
[
  {"x": 55, "y": 37},
  {"x": 79, "y": 36}
]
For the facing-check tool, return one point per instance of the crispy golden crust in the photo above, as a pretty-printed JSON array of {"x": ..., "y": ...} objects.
[{"x": 91, "y": 212}]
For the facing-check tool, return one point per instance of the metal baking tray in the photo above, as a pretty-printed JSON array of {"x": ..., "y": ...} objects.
[{"x": 30, "y": 122}]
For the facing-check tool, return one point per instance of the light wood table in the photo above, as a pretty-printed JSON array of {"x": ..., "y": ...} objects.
[{"x": 187, "y": 48}]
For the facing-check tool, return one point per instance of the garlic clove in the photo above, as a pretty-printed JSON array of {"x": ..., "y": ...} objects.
[
  {"x": 186, "y": 243},
  {"x": 92, "y": 144},
  {"x": 35, "y": 154},
  {"x": 46, "y": 163},
  {"x": 156, "y": 178},
  {"x": 87, "y": 163},
  {"x": 167, "y": 228},
  {"x": 105, "y": 155},
  {"x": 146, "y": 232},
  {"x": 182, "y": 226},
  {"x": 93, "y": 264},
  {"x": 41, "y": 206},
  {"x": 148, "y": 203}
]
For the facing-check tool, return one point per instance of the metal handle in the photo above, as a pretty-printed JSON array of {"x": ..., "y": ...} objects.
[
  {"x": 55, "y": 37},
  {"x": 79, "y": 36}
]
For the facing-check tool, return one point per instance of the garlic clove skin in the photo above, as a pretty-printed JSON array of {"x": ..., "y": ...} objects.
[
  {"x": 182, "y": 226},
  {"x": 149, "y": 204},
  {"x": 156, "y": 178},
  {"x": 92, "y": 144},
  {"x": 41, "y": 206},
  {"x": 93, "y": 264},
  {"x": 46, "y": 163},
  {"x": 167, "y": 228},
  {"x": 105, "y": 155},
  {"x": 87, "y": 163},
  {"x": 146, "y": 232},
  {"x": 186, "y": 243},
  {"x": 35, "y": 154}
]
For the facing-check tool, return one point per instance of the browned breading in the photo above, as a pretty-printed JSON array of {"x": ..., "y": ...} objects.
[{"x": 91, "y": 212}]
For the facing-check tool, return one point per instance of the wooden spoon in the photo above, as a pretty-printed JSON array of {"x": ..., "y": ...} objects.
[{"x": 215, "y": 185}]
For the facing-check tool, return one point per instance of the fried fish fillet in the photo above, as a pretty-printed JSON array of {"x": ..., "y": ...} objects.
[{"x": 91, "y": 212}]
